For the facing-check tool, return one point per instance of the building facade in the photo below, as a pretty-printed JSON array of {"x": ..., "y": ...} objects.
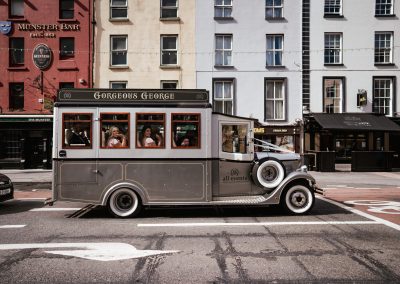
[
  {"x": 44, "y": 46},
  {"x": 145, "y": 44},
  {"x": 249, "y": 56},
  {"x": 353, "y": 75}
]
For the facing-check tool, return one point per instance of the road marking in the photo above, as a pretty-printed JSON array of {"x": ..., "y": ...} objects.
[
  {"x": 258, "y": 224},
  {"x": 53, "y": 209},
  {"x": 363, "y": 214},
  {"x": 92, "y": 251},
  {"x": 11, "y": 226},
  {"x": 30, "y": 198}
]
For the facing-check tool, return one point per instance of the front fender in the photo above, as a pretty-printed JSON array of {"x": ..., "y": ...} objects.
[{"x": 274, "y": 197}]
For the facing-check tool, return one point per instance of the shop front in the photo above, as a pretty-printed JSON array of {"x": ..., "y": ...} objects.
[
  {"x": 25, "y": 141},
  {"x": 359, "y": 139},
  {"x": 287, "y": 137}
]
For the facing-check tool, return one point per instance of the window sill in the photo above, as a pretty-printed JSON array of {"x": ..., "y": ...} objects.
[
  {"x": 333, "y": 16},
  {"x": 170, "y": 67},
  {"x": 67, "y": 20},
  {"x": 17, "y": 68},
  {"x": 274, "y": 120},
  {"x": 10, "y": 19},
  {"x": 118, "y": 67},
  {"x": 334, "y": 64},
  {"x": 223, "y": 18},
  {"x": 274, "y": 18},
  {"x": 224, "y": 66},
  {"x": 386, "y": 16},
  {"x": 275, "y": 66},
  {"x": 172, "y": 19},
  {"x": 384, "y": 64},
  {"x": 118, "y": 19}
]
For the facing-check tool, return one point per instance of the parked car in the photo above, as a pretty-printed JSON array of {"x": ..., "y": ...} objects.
[{"x": 6, "y": 188}]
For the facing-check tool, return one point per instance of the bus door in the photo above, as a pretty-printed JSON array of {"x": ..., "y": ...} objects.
[
  {"x": 77, "y": 153},
  {"x": 236, "y": 153}
]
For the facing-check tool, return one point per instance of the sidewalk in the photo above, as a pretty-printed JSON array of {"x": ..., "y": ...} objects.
[{"x": 29, "y": 176}]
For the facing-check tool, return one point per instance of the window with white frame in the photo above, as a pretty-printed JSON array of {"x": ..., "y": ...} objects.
[
  {"x": 275, "y": 99},
  {"x": 169, "y": 85},
  {"x": 169, "y": 50},
  {"x": 119, "y": 50},
  {"x": 333, "y": 7},
  {"x": 383, "y": 7},
  {"x": 223, "y": 97},
  {"x": 274, "y": 50},
  {"x": 333, "y": 95},
  {"x": 383, "y": 47},
  {"x": 273, "y": 9},
  {"x": 169, "y": 9},
  {"x": 118, "y": 9},
  {"x": 222, "y": 8},
  {"x": 223, "y": 50},
  {"x": 118, "y": 84},
  {"x": 333, "y": 48},
  {"x": 382, "y": 95}
]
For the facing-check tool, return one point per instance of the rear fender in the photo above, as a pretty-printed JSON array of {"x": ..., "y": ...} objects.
[{"x": 133, "y": 187}]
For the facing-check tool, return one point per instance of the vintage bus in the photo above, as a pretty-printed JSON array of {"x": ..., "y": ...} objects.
[{"x": 130, "y": 148}]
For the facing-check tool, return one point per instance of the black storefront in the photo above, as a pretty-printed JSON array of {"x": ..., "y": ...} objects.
[
  {"x": 25, "y": 141},
  {"x": 367, "y": 141}
]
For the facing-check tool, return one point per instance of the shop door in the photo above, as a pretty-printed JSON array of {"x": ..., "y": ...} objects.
[{"x": 34, "y": 152}]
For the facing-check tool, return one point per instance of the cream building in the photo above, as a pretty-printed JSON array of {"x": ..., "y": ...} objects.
[{"x": 144, "y": 44}]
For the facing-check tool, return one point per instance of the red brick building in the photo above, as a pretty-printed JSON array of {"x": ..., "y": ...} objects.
[{"x": 44, "y": 46}]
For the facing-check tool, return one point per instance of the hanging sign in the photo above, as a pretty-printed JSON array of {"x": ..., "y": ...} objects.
[
  {"x": 361, "y": 98},
  {"x": 42, "y": 56},
  {"x": 5, "y": 27}
]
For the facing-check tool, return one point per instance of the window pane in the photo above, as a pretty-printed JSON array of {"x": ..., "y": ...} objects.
[
  {"x": 169, "y": 13},
  {"x": 227, "y": 42},
  {"x": 114, "y": 130},
  {"x": 67, "y": 47},
  {"x": 118, "y": 85},
  {"x": 17, "y": 8},
  {"x": 234, "y": 138},
  {"x": 119, "y": 58},
  {"x": 185, "y": 130},
  {"x": 119, "y": 13},
  {"x": 16, "y": 100},
  {"x": 121, "y": 3},
  {"x": 16, "y": 51},
  {"x": 228, "y": 58},
  {"x": 218, "y": 91},
  {"x": 170, "y": 3},
  {"x": 150, "y": 131},
  {"x": 118, "y": 43},
  {"x": 169, "y": 57},
  {"x": 219, "y": 43},
  {"x": 169, "y": 42},
  {"x": 66, "y": 9},
  {"x": 77, "y": 130}
]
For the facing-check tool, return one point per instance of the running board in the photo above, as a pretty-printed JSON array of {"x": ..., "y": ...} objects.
[{"x": 238, "y": 200}]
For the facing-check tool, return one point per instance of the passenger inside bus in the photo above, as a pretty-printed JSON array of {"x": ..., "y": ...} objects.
[
  {"x": 76, "y": 136},
  {"x": 149, "y": 138},
  {"x": 116, "y": 139}
]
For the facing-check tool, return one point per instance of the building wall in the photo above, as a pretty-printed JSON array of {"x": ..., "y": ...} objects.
[
  {"x": 249, "y": 28},
  {"x": 73, "y": 70},
  {"x": 144, "y": 29},
  {"x": 358, "y": 26}
]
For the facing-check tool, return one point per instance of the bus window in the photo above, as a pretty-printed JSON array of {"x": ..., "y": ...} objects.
[
  {"x": 114, "y": 130},
  {"x": 234, "y": 138},
  {"x": 77, "y": 130},
  {"x": 150, "y": 130},
  {"x": 185, "y": 130}
]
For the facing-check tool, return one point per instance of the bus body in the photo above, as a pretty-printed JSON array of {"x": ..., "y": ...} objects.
[{"x": 125, "y": 149}]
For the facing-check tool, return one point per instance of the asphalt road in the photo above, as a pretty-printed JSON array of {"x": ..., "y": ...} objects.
[{"x": 82, "y": 244}]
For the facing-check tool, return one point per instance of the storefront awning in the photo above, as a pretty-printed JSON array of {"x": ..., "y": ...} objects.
[{"x": 355, "y": 121}]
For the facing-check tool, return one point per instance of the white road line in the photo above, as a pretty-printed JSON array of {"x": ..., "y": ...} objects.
[
  {"x": 27, "y": 199},
  {"x": 11, "y": 226},
  {"x": 363, "y": 214},
  {"x": 258, "y": 224},
  {"x": 54, "y": 209}
]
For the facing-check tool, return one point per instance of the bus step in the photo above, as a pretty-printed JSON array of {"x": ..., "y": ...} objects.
[{"x": 239, "y": 200}]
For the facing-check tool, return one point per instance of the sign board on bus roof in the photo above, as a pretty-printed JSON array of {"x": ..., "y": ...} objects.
[{"x": 133, "y": 96}]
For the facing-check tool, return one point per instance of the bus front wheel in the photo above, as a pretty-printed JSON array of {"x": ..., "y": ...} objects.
[
  {"x": 298, "y": 199},
  {"x": 124, "y": 203}
]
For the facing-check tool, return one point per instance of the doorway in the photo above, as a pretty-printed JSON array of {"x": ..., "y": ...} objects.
[{"x": 34, "y": 152}]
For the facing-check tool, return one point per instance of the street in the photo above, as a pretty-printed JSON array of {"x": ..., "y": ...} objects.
[{"x": 342, "y": 240}]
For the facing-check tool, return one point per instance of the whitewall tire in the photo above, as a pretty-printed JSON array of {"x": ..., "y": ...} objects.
[
  {"x": 298, "y": 199},
  {"x": 124, "y": 203},
  {"x": 268, "y": 174}
]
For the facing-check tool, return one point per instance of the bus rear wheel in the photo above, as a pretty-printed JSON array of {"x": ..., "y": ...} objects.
[
  {"x": 298, "y": 199},
  {"x": 124, "y": 203}
]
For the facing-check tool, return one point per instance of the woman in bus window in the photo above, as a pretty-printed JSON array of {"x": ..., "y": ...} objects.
[{"x": 116, "y": 139}]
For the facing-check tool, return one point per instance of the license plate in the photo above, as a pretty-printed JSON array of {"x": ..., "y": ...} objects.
[{"x": 5, "y": 191}]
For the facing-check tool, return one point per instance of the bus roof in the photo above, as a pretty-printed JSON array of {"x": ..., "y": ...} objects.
[{"x": 136, "y": 97}]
